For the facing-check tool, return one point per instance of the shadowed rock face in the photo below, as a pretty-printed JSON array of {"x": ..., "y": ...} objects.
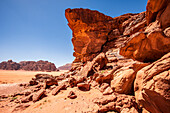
[
  {"x": 28, "y": 66},
  {"x": 158, "y": 10}
]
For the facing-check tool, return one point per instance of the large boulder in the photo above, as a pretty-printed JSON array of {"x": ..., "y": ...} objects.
[
  {"x": 152, "y": 86},
  {"x": 123, "y": 78},
  {"x": 116, "y": 103},
  {"x": 97, "y": 64},
  {"x": 38, "y": 95}
]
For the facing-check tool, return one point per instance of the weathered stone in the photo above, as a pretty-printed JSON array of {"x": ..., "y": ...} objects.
[
  {"x": 72, "y": 82},
  {"x": 85, "y": 24},
  {"x": 27, "y": 99},
  {"x": 58, "y": 88},
  {"x": 117, "y": 103},
  {"x": 108, "y": 91},
  {"x": 97, "y": 64},
  {"x": 106, "y": 75},
  {"x": 43, "y": 77},
  {"x": 83, "y": 86},
  {"x": 92, "y": 31},
  {"x": 20, "y": 108},
  {"x": 33, "y": 82},
  {"x": 123, "y": 78},
  {"x": 164, "y": 18},
  {"x": 152, "y": 9},
  {"x": 72, "y": 95},
  {"x": 65, "y": 67},
  {"x": 152, "y": 86},
  {"x": 167, "y": 32},
  {"x": 103, "y": 87},
  {"x": 28, "y": 65},
  {"x": 146, "y": 48},
  {"x": 50, "y": 82},
  {"x": 9, "y": 65},
  {"x": 38, "y": 95},
  {"x": 134, "y": 24}
]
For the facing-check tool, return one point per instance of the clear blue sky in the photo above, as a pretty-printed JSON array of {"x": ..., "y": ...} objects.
[{"x": 37, "y": 29}]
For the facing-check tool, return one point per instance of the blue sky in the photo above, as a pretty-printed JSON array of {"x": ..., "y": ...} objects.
[{"x": 37, "y": 29}]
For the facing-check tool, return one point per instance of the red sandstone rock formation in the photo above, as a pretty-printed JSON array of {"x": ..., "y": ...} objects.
[
  {"x": 124, "y": 85},
  {"x": 147, "y": 46},
  {"x": 94, "y": 32},
  {"x": 9, "y": 65},
  {"x": 28, "y": 66},
  {"x": 65, "y": 67},
  {"x": 158, "y": 10},
  {"x": 154, "y": 42},
  {"x": 152, "y": 86}
]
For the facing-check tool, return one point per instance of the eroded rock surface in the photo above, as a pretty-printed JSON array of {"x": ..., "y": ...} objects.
[
  {"x": 105, "y": 76},
  {"x": 118, "y": 103},
  {"x": 147, "y": 46},
  {"x": 158, "y": 9},
  {"x": 152, "y": 86},
  {"x": 94, "y": 32}
]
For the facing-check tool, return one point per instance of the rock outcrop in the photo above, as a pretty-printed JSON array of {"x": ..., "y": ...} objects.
[
  {"x": 133, "y": 45},
  {"x": 9, "y": 65},
  {"x": 117, "y": 103},
  {"x": 154, "y": 42},
  {"x": 28, "y": 66},
  {"x": 94, "y": 32},
  {"x": 38, "y": 66},
  {"x": 123, "y": 63},
  {"x": 152, "y": 86},
  {"x": 158, "y": 10},
  {"x": 147, "y": 46}
]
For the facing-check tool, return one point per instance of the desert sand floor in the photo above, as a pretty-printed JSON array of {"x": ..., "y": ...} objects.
[
  {"x": 10, "y": 76},
  {"x": 50, "y": 104}
]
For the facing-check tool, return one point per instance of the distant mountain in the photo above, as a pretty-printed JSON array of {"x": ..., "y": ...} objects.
[
  {"x": 65, "y": 67},
  {"x": 28, "y": 65}
]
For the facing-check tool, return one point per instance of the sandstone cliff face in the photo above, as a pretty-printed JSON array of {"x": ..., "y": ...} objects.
[
  {"x": 123, "y": 84},
  {"x": 28, "y": 66},
  {"x": 94, "y": 32},
  {"x": 135, "y": 51}
]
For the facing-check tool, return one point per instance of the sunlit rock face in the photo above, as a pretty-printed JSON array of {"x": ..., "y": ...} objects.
[
  {"x": 154, "y": 42},
  {"x": 94, "y": 32}
]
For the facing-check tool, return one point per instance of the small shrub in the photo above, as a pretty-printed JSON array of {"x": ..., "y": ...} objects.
[{"x": 14, "y": 98}]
